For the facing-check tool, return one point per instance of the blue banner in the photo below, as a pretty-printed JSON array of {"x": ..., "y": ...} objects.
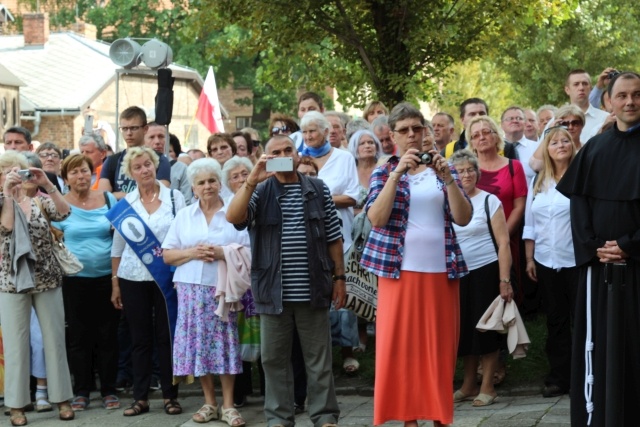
[{"x": 148, "y": 248}]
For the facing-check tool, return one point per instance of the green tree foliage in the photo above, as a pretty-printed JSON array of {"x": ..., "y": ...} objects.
[
  {"x": 390, "y": 50},
  {"x": 478, "y": 79},
  {"x": 600, "y": 33}
]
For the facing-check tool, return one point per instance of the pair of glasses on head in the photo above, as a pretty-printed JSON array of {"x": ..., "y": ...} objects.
[
  {"x": 546, "y": 132},
  {"x": 570, "y": 123},
  {"x": 279, "y": 130},
  {"x": 483, "y": 132},
  {"x": 414, "y": 129},
  {"x": 49, "y": 156},
  {"x": 125, "y": 129}
]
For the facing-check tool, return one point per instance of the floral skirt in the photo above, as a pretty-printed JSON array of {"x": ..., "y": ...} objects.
[{"x": 203, "y": 343}]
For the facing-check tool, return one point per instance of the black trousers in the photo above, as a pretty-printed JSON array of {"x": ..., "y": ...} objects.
[
  {"x": 146, "y": 313},
  {"x": 559, "y": 289},
  {"x": 92, "y": 324}
]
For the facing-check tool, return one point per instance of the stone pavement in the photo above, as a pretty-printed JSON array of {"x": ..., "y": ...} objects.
[{"x": 357, "y": 410}]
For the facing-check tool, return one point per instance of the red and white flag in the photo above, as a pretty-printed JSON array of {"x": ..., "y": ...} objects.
[{"x": 208, "y": 105}]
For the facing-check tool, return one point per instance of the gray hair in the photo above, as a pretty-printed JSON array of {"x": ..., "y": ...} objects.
[
  {"x": 465, "y": 155},
  {"x": 341, "y": 116},
  {"x": 355, "y": 125},
  {"x": 233, "y": 163},
  {"x": 380, "y": 122},
  {"x": 314, "y": 117},
  {"x": 546, "y": 107},
  {"x": 206, "y": 165},
  {"x": 93, "y": 138},
  {"x": 33, "y": 159},
  {"x": 354, "y": 142},
  {"x": 135, "y": 152}
]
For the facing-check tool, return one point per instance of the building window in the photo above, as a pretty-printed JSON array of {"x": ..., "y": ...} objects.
[
  {"x": 5, "y": 114},
  {"x": 14, "y": 112},
  {"x": 243, "y": 122}
]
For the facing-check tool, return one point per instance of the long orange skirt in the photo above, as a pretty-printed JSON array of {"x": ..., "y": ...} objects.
[{"x": 417, "y": 331}]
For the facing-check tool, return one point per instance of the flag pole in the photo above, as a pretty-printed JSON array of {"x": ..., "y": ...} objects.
[{"x": 193, "y": 119}]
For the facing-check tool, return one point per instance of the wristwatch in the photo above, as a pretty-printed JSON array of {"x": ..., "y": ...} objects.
[
  {"x": 505, "y": 280},
  {"x": 339, "y": 277}
]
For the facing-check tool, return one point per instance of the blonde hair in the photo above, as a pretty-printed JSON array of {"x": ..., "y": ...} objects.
[
  {"x": 549, "y": 169},
  {"x": 135, "y": 152},
  {"x": 492, "y": 125},
  {"x": 13, "y": 158}
]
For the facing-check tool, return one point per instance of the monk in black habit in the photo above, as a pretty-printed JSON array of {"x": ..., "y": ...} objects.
[{"x": 603, "y": 184}]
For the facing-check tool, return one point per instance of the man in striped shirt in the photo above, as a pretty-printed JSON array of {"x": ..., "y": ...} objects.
[{"x": 297, "y": 272}]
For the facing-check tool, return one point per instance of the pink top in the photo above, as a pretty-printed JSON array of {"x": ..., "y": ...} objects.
[{"x": 503, "y": 185}]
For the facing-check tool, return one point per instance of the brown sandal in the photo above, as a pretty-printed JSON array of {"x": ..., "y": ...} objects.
[
  {"x": 17, "y": 417},
  {"x": 136, "y": 408},
  {"x": 172, "y": 407},
  {"x": 65, "y": 411}
]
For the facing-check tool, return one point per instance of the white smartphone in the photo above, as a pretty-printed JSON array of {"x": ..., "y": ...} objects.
[{"x": 280, "y": 164}]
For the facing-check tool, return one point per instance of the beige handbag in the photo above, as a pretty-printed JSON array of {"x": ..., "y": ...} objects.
[{"x": 68, "y": 261}]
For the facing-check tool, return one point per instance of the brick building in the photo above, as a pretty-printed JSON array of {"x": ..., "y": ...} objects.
[{"x": 64, "y": 74}]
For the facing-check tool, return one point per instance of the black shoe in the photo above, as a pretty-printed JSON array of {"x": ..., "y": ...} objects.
[
  {"x": 553, "y": 390},
  {"x": 240, "y": 403},
  {"x": 298, "y": 409},
  {"x": 155, "y": 384},
  {"x": 122, "y": 384}
]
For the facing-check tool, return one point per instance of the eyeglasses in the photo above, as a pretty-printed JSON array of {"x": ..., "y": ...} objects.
[
  {"x": 469, "y": 171},
  {"x": 552, "y": 128},
  {"x": 513, "y": 119},
  {"x": 483, "y": 132},
  {"x": 570, "y": 123},
  {"x": 239, "y": 177},
  {"x": 49, "y": 156},
  {"x": 255, "y": 142},
  {"x": 278, "y": 130},
  {"x": 415, "y": 129},
  {"x": 125, "y": 129}
]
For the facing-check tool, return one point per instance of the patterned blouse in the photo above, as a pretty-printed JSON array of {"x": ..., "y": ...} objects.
[
  {"x": 47, "y": 270},
  {"x": 385, "y": 247}
]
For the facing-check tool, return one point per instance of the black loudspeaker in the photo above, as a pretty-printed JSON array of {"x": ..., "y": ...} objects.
[{"x": 164, "y": 97}]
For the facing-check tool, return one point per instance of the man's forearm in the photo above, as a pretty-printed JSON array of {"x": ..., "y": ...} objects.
[{"x": 337, "y": 256}]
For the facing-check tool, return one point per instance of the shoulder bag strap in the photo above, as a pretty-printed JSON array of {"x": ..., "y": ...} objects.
[{"x": 486, "y": 211}]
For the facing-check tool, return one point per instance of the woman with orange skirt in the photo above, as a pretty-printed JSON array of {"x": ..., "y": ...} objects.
[{"x": 413, "y": 202}]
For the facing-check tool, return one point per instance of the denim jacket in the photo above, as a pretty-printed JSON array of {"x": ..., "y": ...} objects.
[{"x": 265, "y": 231}]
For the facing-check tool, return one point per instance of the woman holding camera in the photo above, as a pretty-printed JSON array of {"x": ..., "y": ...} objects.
[
  {"x": 413, "y": 250},
  {"x": 31, "y": 277}
]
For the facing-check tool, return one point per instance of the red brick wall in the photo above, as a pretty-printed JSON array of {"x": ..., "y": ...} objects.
[{"x": 35, "y": 28}]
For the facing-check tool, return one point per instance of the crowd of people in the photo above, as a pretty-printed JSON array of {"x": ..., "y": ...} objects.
[{"x": 532, "y": 208}]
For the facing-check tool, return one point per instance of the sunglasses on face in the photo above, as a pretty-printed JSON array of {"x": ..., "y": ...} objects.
[
  {"x": 278, "y": 130},
  {"x": 255, "y": 143},
  {"x": 415, "y": 129},
  {"x": 570, "y": 123}
]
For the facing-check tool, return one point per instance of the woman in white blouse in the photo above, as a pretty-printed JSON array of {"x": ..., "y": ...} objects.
[
  {"x": 207, "y": 250},
  {"x": 489, "y": 276},
  {"x": 134, "y": 288},
  {"x": 550, "y": 256}
]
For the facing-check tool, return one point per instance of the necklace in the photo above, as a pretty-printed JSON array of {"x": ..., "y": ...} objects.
[{"x": 151, "y": 201}]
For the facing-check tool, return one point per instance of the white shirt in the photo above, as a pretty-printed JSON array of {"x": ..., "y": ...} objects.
[
  {"x": 190, "y": 229},
  {"x": 341, "y": 176},
  {"x": 547, "y": 221},
  {"x": 131, "y": 268},
  {"x": 474, "y": 238},
  {"x": 424, "y": 241},
  {"x": 526, "y": 148},
  {"x": 594, "y": 119}
]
